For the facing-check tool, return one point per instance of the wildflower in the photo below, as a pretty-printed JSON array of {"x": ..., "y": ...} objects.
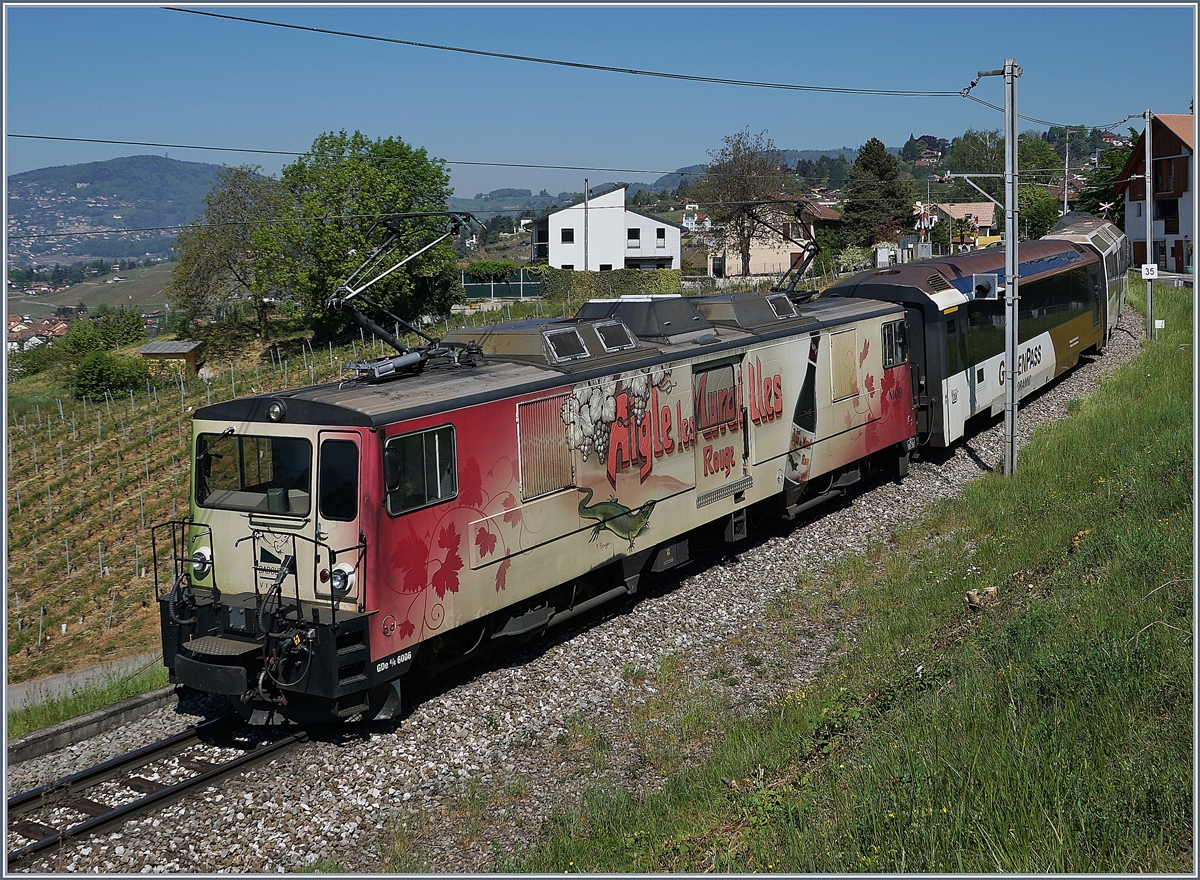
[{"x": 943, "y": 809}]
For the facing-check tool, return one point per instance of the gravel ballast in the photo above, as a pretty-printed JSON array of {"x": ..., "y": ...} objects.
[{"x": 478, "y": 764}]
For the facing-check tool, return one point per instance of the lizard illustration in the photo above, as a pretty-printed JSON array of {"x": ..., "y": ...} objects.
[{"x": 616, "y": 517}]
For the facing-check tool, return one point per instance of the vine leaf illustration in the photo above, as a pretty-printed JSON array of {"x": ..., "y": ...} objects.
[
  {"x": 863, "y": 356},
  {"x": 470, "y": 486},
  {"x": 502, "y": 574},
  {"x": 512, "y": 515},
  {"x": 405, "y": 629},
  {"x": 411, "y": 556},
  {"x": 446, "y": 578},
  {"x": 485, "y": 541}
]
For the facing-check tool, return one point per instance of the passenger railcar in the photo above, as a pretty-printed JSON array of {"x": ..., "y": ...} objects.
[
  {"x": 1072, "y": 289},
  {"x": 344, "y": 534}
]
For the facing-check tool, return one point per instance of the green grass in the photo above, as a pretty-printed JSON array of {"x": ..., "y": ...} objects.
[
  {"x": 1049, "y": 731},
  {"x": 145, "y": 289},
  {"x": 86, "y": 699}
]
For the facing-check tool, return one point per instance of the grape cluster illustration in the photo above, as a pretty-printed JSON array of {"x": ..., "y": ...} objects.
[{"x": 591, "y": 408}]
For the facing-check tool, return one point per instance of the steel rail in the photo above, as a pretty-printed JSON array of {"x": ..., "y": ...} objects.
[{"x": 60, "y": 791}]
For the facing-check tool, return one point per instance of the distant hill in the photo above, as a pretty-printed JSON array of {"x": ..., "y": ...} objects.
[
  {"x": 126, "y": 193},
  {"x": 508, "y": 201}
]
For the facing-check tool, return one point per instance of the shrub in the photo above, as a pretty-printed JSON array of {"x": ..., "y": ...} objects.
[
  {"x": 564, "y": 284},
  {"x": 33, "y": 360},
  {"x": 103, "y": 371},
  {"x": 854, "y": 259},
  {"x": 491, "y": 270}
]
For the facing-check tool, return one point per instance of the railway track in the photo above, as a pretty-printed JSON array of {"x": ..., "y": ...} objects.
[{"x": 135, "y": 783}]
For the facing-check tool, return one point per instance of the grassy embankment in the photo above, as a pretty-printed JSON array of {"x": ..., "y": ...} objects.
[
  {"x": 1049, "y": 731},
  {"x": 86, "y": 699}
]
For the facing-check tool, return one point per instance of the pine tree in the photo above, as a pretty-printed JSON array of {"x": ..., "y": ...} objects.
[{"x": 880, "y": 203}]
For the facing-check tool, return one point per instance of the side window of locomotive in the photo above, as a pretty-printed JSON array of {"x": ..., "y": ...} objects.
[
  {"x": 240, "y": 472},
  {"x": 420, "y": 469},
  {"x": 843, "y": 348},
  {"x": 895, "y": 344},
  {"x": 338, "y": 492}
]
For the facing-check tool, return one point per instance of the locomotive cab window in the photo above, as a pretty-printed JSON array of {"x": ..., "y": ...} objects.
[
  {"x": 895, "y": 344},
  {"x": 247, "y": 472},
  {"x": 419, "y": 469},
  {"x": 337, "y": 497}
]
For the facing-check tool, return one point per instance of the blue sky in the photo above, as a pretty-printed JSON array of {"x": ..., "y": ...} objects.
[{"x": 150, "y": 74}]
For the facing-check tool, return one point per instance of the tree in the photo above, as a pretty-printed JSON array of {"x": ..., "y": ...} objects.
[
  {"x": 743, "y": 173},
  {"x": 942, "y": 230},
  {"x": 1099, "y": 189},
  {"x": 1037, "y": 211},
  {"x": 1034, "y": 154},
  {"x": 880, "y": 203},
  {"x": 913, "y": 148},
  {"x": 1075, "y": 137},
  {"x": 979, "y": 152},
  {"x": 118, "y": 327},
  {"x": 231, "y": 253},
  {"x": 335, "y": 194}
]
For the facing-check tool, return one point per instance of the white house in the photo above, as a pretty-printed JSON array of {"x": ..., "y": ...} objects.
[
  {"x": 1174, "y": 226},
  {"x": 603, "y": 234}
]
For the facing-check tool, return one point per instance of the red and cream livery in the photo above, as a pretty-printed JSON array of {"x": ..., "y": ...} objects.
[{"x": 343, "y": 534}]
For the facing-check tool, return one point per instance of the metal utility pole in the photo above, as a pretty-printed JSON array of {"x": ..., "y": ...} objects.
[
  {"x": 1011, "y": 297},
  {"x": 1150, "y": 258},
  {"x": 1066, "y": 171}
]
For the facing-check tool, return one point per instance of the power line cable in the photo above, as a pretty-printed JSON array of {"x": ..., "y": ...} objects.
[
  {"x": 905, "y": 93},
  {"x": 843, "y": 90},
  {"x": 46, "y": 137}
]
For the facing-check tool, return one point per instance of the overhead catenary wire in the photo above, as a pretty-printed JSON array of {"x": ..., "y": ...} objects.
[
  {"x": 843, "y": 90},
  {"x": 630, "y": 71}
]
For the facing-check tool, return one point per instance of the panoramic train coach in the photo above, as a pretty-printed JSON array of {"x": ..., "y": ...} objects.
[
  {"x": 505, "y": 478},
  {"x": 1072, "y": 289}
]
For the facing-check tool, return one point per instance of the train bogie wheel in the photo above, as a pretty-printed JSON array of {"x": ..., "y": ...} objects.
[{"x": 385, "y": 701}]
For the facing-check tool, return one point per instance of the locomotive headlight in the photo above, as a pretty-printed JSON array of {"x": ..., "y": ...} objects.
[
  {"x": 201, "y": 563},
  {"x": 341, "y": 579},
  {"x": 276, "y": 410}
]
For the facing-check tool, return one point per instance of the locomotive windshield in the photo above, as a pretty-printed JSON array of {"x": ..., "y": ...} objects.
[{"x": 246, "y": 472}]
